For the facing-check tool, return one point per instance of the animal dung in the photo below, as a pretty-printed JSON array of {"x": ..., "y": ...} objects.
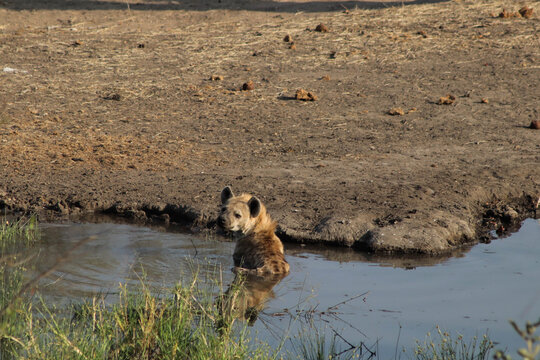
[
  {"x": 396, "y": 111},
  {"x": 447, "y": 100},
  {"x": 321, "y": 28},
  {"x": 248, "y": 86},
  {"x": 526, "y": 12},
  {"x": 535, "y": 124},
  {"x": 304, "y": 95},
  {"x": 112, "y": 96}
]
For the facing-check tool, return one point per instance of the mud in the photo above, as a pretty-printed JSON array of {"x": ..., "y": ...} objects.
[{"x": 110, "y": 107}]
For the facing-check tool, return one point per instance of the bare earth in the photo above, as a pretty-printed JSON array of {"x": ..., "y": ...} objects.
[{"x": 110, "y": 107}]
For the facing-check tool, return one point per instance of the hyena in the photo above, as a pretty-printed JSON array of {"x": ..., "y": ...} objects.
[{"x": 258, "y": 250}]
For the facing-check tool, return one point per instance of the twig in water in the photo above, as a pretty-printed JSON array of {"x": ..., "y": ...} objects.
[
  {"x": 397, "y": 342},
  {"x": 346, "y": 301},
  {"x": 195, "y": 247},
  {"x": 337, "y": 318},
  {"x": 353, "y": 347}
]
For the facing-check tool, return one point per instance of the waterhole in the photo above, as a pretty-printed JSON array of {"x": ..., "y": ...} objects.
[{"x": 385, "y": 302}]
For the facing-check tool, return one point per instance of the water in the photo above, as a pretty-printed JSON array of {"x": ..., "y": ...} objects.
[{"x": 473, "y": 291}]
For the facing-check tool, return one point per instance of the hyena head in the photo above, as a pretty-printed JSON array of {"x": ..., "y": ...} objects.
[{"x": 238, "y": 213}]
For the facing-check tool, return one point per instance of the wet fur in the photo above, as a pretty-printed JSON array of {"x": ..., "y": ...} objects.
[{"x": 258, "y": 250}]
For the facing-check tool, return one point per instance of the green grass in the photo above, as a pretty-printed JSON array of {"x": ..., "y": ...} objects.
[
  {"x": 139, "y": 326},
  {"x": 17, "y": 234},
  {"x": 313, "y": 344},
  {"x": 14, "y": 237},
  {"x": 445, "y": 347}
]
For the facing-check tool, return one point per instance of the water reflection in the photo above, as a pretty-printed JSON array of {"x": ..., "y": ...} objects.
[
  {"x": 122, "y": 254},
  {"x": 405, "y": 261},
  {"x": 246, "y": 297}
]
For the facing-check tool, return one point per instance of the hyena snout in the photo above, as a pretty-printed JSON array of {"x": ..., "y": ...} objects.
[
  {"x": 226, "y": 223},
  {"x": 221, "y": 222}
]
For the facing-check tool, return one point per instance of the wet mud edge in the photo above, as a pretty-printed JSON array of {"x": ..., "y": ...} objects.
[{"x": 494, "y": 217}]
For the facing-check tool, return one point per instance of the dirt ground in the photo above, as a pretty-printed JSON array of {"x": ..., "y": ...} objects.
[{"x": 136, "y": 108}]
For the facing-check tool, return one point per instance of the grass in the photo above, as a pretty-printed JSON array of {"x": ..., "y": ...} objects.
[
  {"x": 139, "y": 326},
  {"x": 314, "y": 344},
  {"x": 22, "y": 232},
  {"x": 14, "y": 236},
  {"x": 444, "y": 347},
  {"x": 532, "y": 341}
]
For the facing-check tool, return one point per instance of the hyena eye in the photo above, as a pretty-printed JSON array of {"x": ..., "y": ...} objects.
[{"x": 237, "y": 215}]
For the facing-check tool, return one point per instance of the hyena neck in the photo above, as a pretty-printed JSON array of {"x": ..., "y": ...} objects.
[{"x": 264, "y": 224}]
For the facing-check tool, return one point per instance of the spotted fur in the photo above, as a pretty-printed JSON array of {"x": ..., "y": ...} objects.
[{"x": 258, "y": 250}]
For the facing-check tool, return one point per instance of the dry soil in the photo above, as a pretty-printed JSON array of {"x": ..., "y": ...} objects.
[{"x": 416, "y": 137}]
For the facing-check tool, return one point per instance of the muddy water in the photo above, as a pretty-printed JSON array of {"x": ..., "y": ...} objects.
[{"x": 471, "y": 292}]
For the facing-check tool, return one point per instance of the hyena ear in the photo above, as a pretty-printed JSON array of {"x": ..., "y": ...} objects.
[
  {"x": 254, "y": 206},
  {"x": 226, "y": 194}
]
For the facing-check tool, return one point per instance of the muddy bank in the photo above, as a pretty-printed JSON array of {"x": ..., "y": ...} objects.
[{"x": 143, "y": 114}]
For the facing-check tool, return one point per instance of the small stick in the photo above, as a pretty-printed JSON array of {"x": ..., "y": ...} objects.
[{"x": 346, "y": 301}]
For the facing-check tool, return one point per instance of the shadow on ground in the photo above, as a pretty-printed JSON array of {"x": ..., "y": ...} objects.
[{"x": 197, "y": 5}]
